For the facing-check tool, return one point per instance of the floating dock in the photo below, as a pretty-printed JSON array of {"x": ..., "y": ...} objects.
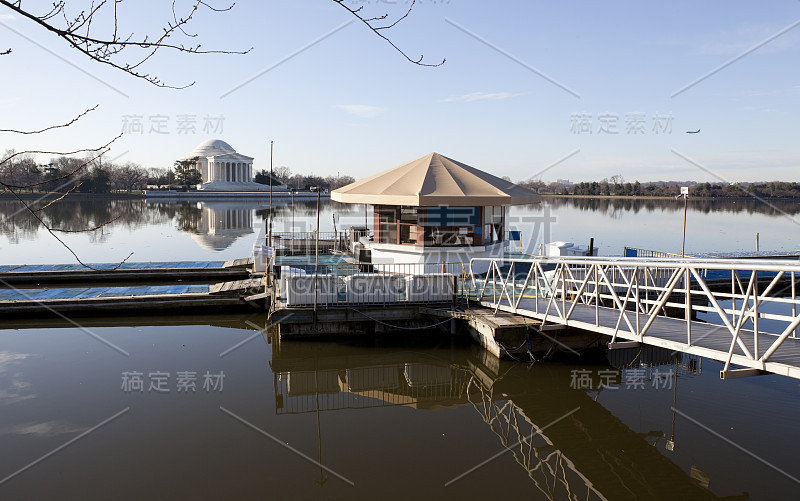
[
  {"x": 45, "y": 274},
  {"x": 37, "y": 291}
]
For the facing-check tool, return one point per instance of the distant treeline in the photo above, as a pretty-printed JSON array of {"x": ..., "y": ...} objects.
[
  {"x": 773, "y": 189},
  {"x": 62, "y": 174},
  {"x": 284, "y": 175}
]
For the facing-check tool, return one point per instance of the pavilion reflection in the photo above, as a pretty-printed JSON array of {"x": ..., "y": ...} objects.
[{"x": 570, "y": 446}]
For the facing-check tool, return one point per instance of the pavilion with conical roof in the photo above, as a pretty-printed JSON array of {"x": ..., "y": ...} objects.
[{"x": 436, "y": 209}]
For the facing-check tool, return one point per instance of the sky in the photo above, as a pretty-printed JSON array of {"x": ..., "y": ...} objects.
[{"x": 529, "y": 90}]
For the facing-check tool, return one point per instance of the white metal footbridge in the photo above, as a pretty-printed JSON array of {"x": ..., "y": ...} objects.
[{"x": 742, "y": 312}]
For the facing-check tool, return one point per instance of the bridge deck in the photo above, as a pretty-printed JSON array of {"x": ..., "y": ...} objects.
[{"x": 707, "y": 340}]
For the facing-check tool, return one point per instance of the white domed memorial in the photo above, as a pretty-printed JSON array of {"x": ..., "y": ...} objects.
[{"x": 223, "y": 169}]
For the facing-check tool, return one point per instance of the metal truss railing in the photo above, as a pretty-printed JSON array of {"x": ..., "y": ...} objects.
[
  {"x": 388, "y": 284},
  {"x": 551, "y": 472},
  {"x": 752, "y": 302}
]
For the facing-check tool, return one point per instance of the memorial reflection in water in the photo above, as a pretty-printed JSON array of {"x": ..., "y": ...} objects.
[
  {"x": 222, "y": 222},
  {"x": 216, "y": 224}
]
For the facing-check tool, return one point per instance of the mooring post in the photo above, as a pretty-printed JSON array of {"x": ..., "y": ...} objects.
[{"x": 316, "y": 260}]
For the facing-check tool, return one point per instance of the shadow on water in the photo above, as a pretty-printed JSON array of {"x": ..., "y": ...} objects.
[
  {"x": 568, "y": 444},
  {"x": 426, "y": 414}
]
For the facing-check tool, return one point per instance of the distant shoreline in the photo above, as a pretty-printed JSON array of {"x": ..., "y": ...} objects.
[
  {"x": 74, "y": 196},
  {"x": 645, "y": 197},
  {"x": 162, "y": 196},
  {"x": 221, "y": 195}
]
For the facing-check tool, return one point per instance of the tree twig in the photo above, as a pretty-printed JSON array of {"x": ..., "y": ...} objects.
[
  {"x": 77, "y": 32},
  {"x": 52, "y": 126},
  {"x": 377, "y": 30},
  {"x": 52, "y": 232}
]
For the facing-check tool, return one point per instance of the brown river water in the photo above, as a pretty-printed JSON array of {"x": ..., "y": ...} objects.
[{"x": 211, "y": 407}]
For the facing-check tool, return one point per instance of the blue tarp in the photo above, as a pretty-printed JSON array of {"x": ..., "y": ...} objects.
[
  {"x": 91, "y": 292},
  {"x": 27, "y": 268}
]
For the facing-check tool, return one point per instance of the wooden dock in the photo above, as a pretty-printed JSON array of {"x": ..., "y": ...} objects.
[
  {"x": 358, "y": 320},
  {"x": 153, "y": 272},
  {"x": 507, "y": 335},
  {"x": 131, "y": 300}
]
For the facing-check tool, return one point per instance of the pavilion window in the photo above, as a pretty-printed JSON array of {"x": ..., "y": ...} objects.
[
  {"x": 408, "y": 226},
  {"x": 441, "y": 226},
  {"x": 494, "y": 224},
  {"x": 387, "y": 224}
]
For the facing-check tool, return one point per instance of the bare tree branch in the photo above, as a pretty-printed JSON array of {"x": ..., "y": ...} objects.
[
  {"x": 53, "y": 126},
  {"x": 52, "y": 231},
  {"x": 377, "y": 29},
  {"x": 36, "y": 152},
  {"x": 62, "y": 197},
  {"x": 102, "y": 151},
  {"x": 12, "y": 189},
  {"x": 77, "y": 32}
]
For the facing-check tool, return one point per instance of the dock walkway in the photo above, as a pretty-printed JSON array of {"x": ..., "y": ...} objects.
[
  {"x": 33, "y": 291},
  {"x": 752, "y": 324},
  {"x": 708, "y": 340},
  {"x": 43, "y": 274}
]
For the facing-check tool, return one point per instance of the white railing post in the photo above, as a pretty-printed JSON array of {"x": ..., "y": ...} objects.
[
  {"x": 636, "y": 303},
  {"x": 794, "y": 304},
  {"x": 755, "y": 314},
  {"x": 596, "y": 295},
  {"x": 662, "y": 282},
  {"x": 688, "y": 306}
]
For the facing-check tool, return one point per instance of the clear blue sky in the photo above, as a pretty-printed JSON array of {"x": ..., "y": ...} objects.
[{"x": 505, "y": 104}]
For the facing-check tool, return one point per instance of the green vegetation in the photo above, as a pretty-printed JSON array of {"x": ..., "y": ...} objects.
[
  {"x": 283, "y": 175},
  {"x": 186, "y": 174}
]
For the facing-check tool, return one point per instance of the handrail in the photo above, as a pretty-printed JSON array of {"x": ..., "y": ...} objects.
[
  {"x": 754, "y": 301},
  {"x": 652, "y": 253}
]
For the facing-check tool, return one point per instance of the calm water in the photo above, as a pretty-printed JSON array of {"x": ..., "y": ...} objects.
[
  {"x": 227, "y": 229},
  {"x": 224, "y": 412}
]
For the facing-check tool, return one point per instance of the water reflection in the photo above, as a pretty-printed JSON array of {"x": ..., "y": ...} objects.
[
  {"x": 569, "y": 445},
  {"x": 13, "y": 387},
  {"x": 74, "y": 214},
  {"x": 428, "y": 416},
  {"x": 216, "y": 225},
  {"x": 225, "y": 229},
  {"x": 617, "y": 206}
]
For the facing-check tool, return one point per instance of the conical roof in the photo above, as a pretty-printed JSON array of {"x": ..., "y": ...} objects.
[{"x": 434, "y": 180}]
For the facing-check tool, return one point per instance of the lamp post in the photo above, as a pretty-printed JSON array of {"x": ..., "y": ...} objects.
[
  {"x": 685, "y": 195},
  {"x": 269, "y": 220},
  {"x": 292, "y": 228}
]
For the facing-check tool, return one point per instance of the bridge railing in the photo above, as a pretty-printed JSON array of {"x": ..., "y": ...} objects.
[
  {"x": 307, "y": 242},
  {"x": 345, "y": 284},
  {"x": 746, "y": 298}
]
